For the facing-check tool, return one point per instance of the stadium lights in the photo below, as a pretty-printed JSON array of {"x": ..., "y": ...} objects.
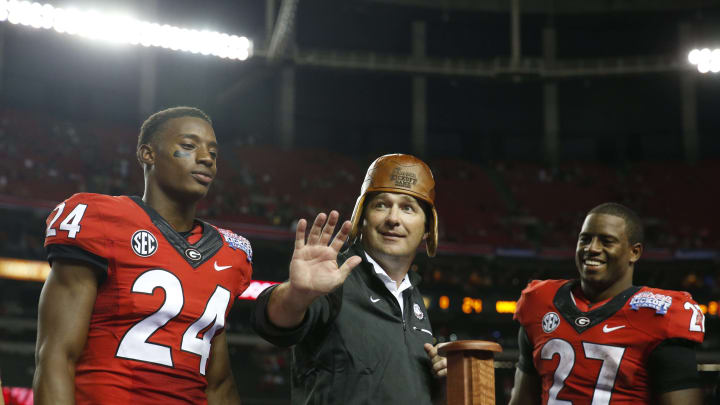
[
  {"x": 122, "y": 29},
  {"x": 707, "y": 60}
]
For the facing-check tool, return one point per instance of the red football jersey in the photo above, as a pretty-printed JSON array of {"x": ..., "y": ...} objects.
[
  {"x": 599, "y": 357},
  {"x": 161, "y": 304}
]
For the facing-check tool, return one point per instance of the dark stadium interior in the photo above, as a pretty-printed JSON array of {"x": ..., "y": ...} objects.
[{"x": 510, "y": 206}]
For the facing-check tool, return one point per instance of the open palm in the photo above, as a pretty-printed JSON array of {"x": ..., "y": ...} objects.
[{"x": 313, "y": 269}]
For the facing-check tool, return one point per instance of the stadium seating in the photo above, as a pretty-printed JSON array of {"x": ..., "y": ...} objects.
[{"x": 508, "y": 204}]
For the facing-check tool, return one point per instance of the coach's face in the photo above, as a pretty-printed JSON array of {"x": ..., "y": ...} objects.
[
  {"x": 185, "y": 157},
  {"x": 604, "y": 255},
  {"x": 393, "y": 225}
]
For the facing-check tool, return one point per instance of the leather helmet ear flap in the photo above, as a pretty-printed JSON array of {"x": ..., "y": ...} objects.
[{"x": 398, "y": 173}]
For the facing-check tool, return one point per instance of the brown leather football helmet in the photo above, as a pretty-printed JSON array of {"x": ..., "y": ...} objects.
[{"x": 405, "y": 174}]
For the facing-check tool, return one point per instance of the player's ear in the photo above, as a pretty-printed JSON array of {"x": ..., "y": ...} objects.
[
  {"x": 635, "y": 252},
  {"x": 146, "y": 155}
]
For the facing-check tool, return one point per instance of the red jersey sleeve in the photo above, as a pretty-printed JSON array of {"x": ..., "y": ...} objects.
[
  {"x": 668, "y": 314},
  {"x": 536, "y": 291},
  {"x": 76, "y": 229},
  {"x": 685, "y": 319},
  {"x": 243, "y": 258},
  {"x": 521, "y": 306}
]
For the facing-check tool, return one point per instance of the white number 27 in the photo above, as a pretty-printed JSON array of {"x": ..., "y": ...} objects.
[
  {"x": 611, "y": 356},
  {"x": 696, "y": 326}
]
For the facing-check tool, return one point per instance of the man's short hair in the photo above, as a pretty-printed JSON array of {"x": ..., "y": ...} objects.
[
  {"x": 633, "y": 223},
  {"x": 155, "y": 122}
]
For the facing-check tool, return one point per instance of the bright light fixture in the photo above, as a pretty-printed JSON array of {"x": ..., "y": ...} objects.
[
  {"x": 705, "y": 59},
  {"x": 122, "y": 29}
]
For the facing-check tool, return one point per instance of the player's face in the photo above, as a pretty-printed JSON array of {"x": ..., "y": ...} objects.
[
  {"x": 186, "y": 156},
  {"x": 604, "y": 255},
  {"x": 394, "y": 225}
]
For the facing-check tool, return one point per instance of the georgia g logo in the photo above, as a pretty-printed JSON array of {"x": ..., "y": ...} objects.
[
  {"x": 193, "y": 254},
  {"x": 550, "y": 322}
]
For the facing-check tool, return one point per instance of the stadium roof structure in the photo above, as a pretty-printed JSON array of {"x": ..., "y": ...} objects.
[{"x": 557, "y": 6}]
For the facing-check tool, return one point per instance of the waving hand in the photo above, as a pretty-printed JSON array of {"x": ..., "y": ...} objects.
[{"x": 313, "y": 268}]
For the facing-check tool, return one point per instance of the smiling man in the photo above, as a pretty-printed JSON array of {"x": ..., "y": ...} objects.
[
  {"x": 134, "y": 309},
  {"x": 362, "y": 336},
  {"x": 601, "y": 340}
]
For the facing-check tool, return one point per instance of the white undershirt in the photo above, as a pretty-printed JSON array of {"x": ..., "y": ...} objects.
[{"x": 389, "y": 282}]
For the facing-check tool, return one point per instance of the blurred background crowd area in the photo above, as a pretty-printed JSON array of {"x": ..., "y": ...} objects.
[{"x": 504, "y": 203}]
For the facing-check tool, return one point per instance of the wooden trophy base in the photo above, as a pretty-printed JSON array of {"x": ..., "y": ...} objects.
[{"x": 471, "y": 372}]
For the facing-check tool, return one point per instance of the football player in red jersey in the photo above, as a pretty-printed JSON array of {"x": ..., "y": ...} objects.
[
  {"x": 134, "y": 309},
  {"x": 601, "y": 340}
]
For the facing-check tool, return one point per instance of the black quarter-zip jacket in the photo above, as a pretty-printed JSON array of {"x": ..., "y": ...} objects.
[{"x": 355, "y": 346}]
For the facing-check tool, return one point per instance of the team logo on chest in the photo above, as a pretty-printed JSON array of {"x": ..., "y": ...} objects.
[
  {"x": 193, "y": 254},
  {"x": 582, "y": 321},
  {"x": 550, "y": 322},
  {"x": 660, "y": 303},
  {"x": 143, "y": 243},
  {"x": 418, "y": 312}
]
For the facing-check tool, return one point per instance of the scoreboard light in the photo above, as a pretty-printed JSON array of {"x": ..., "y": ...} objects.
[
  {"x": 255, "y": 288},
  {"x": 123, "y": 29},
  {"x": 505, "y": 307},
  {"x": 712, "y": 308},
  {"x": 444, "y": 302},
  {"x": 471, "y": 305},
  {"x": 703, "y": 308},
  {"x": 30, "y": 270}
]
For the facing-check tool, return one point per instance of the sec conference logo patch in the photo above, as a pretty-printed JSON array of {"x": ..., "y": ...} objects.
[
  {"x": 143, "y": 243},
  {"x": 550, "y": 322}
]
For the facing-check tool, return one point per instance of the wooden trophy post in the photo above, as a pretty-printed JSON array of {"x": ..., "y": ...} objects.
[{"x": 470, "y": 372}]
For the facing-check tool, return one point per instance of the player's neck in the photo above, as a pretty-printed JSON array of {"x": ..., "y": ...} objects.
[
  {"x": 597, "y": 293},
  {"x": 180, "y": 216}
]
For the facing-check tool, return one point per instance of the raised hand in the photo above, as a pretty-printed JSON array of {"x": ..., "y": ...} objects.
[{"x": 313, "y": 268}]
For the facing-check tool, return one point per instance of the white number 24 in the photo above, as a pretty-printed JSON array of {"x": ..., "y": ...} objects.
[
  {"x": 71, "y": 223},
  {"x": 134, "y": 344}
]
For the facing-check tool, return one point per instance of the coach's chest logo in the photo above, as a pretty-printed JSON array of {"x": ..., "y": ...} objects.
[
  {"x": 418, "y": 312},
  {"x": 143, "y": 243},
  {"x": 550, "y": 322}
]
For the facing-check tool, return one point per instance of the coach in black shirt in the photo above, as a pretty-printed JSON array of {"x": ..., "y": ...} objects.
[{"x": 362, "y": 336}]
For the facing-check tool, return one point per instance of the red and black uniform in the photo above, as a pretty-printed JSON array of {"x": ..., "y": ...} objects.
[
  {"x": 163, "y": 298},
  {"x": 636, "y": 345}
]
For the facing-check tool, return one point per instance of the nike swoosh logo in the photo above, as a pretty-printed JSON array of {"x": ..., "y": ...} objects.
[
  {"x": 607, "y": 330},
  {"x": 374, "y": 300},
  {"x": 221, "y": 268}
]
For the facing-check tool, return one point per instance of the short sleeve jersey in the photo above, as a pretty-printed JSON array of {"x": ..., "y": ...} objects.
[
  {"x": 600, "y": 357},
  {"x": 162, "y": 301}
]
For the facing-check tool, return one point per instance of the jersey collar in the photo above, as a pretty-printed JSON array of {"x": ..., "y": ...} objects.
[
  {"x": 194, "y": 254},
  {"x": 582, "y": 321}
]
